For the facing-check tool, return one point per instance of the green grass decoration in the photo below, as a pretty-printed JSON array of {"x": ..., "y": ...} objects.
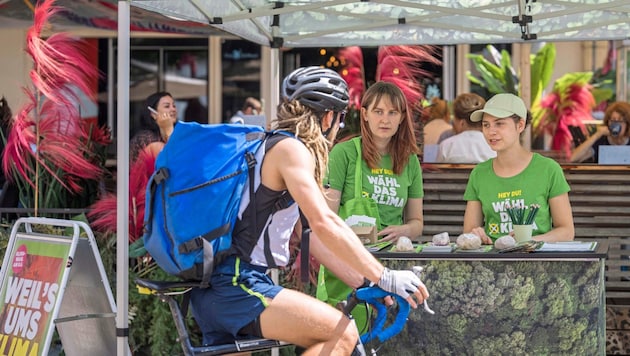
[{"x": 522, "y": 215}]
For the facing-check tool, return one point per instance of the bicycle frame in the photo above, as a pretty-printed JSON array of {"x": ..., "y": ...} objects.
[{"x": 168, "y": 292}]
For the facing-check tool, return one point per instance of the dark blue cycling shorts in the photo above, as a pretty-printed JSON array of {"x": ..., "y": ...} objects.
[{"x": 235, "y": 299}]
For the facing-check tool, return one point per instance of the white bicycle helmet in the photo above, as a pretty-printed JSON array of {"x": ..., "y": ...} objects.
[{"x": 321, "y": 89}]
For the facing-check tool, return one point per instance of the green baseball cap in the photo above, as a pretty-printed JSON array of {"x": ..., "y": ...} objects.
[{"x": 500, "y": 106}]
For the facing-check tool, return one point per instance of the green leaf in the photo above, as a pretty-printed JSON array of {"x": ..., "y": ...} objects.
[
  {"x": 602, "y": 94},
  {"x": 136, "y": 249},
  {"x": 497, "y": 76},
  {"x": 547, "y": 63},
  {"x": 482, "y": 64},
  {"x": 475, "y": 80},
  {"x": 542, "y": 70},
  {"x": 509, "y": 77},
  {"x": 494, "y": 53},
  {"x": 495, "y": 71},
  {"x": 563, "y": 83},
  {"x": 506, "y": 62},
  {"x": 494, "y": 85}
]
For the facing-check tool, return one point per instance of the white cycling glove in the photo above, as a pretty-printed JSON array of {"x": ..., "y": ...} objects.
[{"x": 402, "y": 283}]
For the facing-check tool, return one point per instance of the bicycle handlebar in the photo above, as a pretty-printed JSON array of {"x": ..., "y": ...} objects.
[{"x": 371, "y": 295}]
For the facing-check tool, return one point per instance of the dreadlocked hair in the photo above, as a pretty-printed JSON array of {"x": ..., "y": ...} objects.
[{"x": 301, "y": 121}]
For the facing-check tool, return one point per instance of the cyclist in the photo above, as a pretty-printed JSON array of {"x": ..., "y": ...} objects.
[{"x": 242, "y": 299}]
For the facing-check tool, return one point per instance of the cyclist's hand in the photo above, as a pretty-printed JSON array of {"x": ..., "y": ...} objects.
[{"x": 404, "y": 283}]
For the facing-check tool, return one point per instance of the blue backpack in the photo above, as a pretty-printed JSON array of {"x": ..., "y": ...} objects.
[{"x": 193, "y": 197}]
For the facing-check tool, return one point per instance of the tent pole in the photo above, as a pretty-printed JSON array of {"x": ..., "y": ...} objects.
[
  {"x": 448, "y": 71},
  {"x": 122, "y": 178},
  {"x": 111, "y": 85},
  {"x": 215, "y": 81},
  {"x": 270, "y": 81},
  {"x": 524, "y": 64}
]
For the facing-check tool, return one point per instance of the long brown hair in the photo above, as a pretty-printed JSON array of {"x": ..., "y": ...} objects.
[
  {"x": 403, "y": 143},
  {"x": 304, "y": 123}
]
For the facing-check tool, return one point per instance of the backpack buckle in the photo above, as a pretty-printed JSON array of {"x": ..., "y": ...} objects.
[
  {"x": 251, "y": 159},
  {"x": 190, "y": 245},
  {"x": 161, "y": 175}
]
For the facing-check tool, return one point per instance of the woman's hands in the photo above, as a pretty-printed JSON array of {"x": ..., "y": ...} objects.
[
  {"x": 166, "y": 119},
  {"x": 481, "y": 232},
  {"x": 392, "y": 233}
]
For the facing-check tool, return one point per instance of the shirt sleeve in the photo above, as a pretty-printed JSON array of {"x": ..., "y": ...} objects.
[
  {"x": 338, "y": 165},
  {"x": 471, "y": 193},
  {"x": 416, "y": 190},
  {"x": 559, "y": 184}
]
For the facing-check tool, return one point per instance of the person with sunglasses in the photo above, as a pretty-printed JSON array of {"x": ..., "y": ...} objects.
[
  {"x": 390, "y": 175},
  {"x": 615, "y": 130}
]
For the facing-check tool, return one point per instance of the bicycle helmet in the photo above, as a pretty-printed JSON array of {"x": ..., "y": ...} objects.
[{"x": 320, "y": 89}]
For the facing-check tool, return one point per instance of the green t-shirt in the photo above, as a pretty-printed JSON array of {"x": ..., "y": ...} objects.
[
  {"x": 390, "y": 191},
  {"x": 541, "y": 180}
]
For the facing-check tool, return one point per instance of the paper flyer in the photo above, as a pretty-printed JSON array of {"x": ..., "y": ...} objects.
[{"x": 29, "y": 294}]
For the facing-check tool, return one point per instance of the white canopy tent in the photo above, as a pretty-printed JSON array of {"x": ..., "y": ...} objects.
[
  {"x": 338, "y": 23},
  {"x": 321, "y": 23}
]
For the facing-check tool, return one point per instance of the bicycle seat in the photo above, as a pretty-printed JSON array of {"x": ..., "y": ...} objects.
[{"x": 165, "y": 286}]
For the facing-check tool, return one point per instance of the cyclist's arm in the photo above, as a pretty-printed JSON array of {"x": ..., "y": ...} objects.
[
  {"x": 333, "y": 198},
  {"x": 290, "y": 165},
  {"x": 339, "y": 267}
]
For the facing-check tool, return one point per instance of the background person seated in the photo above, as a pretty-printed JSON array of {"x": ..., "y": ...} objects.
[
  {"x": 251, "y": 114},
  {"x": 436, "y": 119},
  {"x": 468, "y": 144},
  {"x": 615, "y": 130},
  {"x": 252, "y": 106}
]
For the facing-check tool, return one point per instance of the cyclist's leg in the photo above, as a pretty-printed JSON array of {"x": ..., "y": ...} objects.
[{"x": 303, "y": 320}]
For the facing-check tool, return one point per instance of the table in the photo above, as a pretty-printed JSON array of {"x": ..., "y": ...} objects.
[{"x": 542, "y": 303}]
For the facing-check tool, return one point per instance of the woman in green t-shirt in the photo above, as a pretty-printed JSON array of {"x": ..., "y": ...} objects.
[
  {"x": 516, "y": 177},
  {"x": 390, "y": 175}
]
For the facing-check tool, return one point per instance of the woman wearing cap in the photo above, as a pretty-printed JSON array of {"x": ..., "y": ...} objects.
[
  {"x": 390, "y": 175},
  {"x": 515, "y": 177},
  {"x": 242, "y": 300}
]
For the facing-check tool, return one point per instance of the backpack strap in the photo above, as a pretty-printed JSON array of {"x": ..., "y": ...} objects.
[
  {"x": 304, "y": 249},
  {"x": 282, "y": 203},
  {"x": 158, "y": 177}
]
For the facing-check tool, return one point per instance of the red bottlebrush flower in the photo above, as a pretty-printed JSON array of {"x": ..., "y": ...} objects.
[
  {"x": 102, "y": 214},
  {"x": 569, "y": 104},
  {"x": 48, "y": 142},
  {"x": 401, "y": 65},
  {"x": 100, "y": 135},
  {"x": 353, "y": 73}
]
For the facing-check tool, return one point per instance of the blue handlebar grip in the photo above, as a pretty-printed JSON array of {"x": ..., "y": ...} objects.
[{"x": 371, "y": 296}]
